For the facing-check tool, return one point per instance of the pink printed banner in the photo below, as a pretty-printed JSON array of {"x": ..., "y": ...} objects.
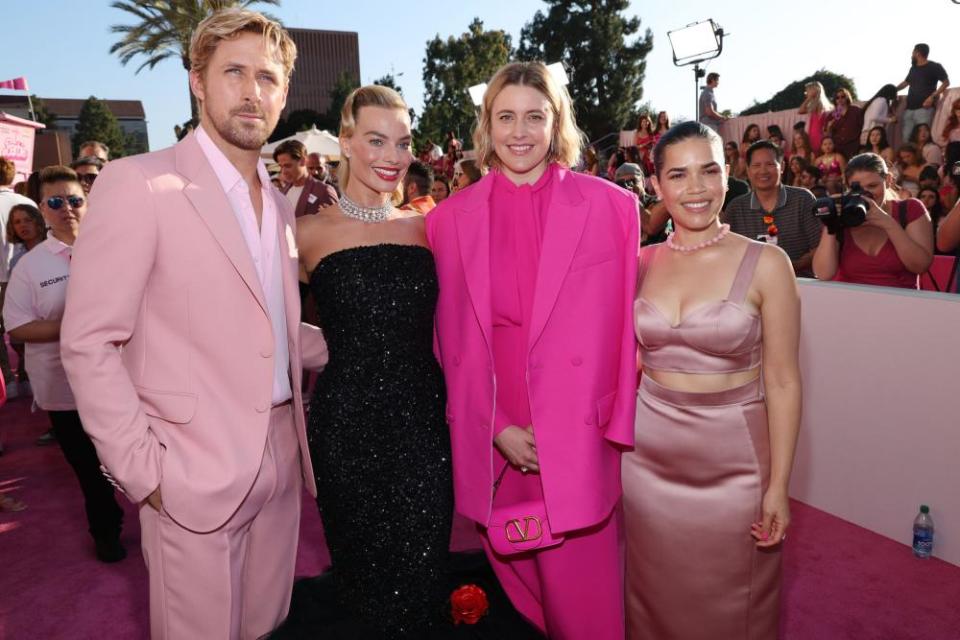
[
  {"x": 16, "y": 143},
  {"x": 17, "y": 84}
]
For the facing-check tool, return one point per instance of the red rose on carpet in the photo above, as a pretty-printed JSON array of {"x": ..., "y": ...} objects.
[{"x": 468, "y": 604}]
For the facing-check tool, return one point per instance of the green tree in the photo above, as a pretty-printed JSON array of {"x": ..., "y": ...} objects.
[
  {"x": 792, "y": 96},
  {"x": 390, "y": 81},
  {"x": 42, "y": 114},
  {"x": 96, "y": 122},
  {"x": 346, "y": 82},
  {"x": 450, "y": 67},
  {"x": 163, "y": 30},
  {"x": 594, "y": 40}
]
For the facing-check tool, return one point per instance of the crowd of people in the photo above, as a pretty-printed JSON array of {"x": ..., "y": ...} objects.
[
  {"x": 476, "y": 319},
  {"x": 836, "y": 149}
]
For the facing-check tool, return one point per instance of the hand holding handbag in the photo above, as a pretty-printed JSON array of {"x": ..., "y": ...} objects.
[{"x": 520, "y": 527}]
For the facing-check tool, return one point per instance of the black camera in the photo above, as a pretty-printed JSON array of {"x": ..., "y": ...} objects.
[{"x": 849, "y": 210}]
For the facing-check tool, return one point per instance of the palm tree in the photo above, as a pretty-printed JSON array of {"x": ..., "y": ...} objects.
[{"x": 164, "y": 30}]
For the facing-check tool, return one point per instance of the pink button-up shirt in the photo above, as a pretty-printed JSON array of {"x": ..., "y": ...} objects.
[
  {"x": 38, "y": 291},
  {"x": 264, "y": 246},
  {"x": 517, "y": 218}
]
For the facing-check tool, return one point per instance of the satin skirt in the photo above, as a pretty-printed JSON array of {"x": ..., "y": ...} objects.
[{"x": 692, "y": 487}]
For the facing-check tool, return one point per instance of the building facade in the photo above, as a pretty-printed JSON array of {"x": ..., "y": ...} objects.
[{"x": 322, "y": 56}]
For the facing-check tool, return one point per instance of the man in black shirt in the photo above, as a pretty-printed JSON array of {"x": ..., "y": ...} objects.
[{"x": 922, "y": 96}]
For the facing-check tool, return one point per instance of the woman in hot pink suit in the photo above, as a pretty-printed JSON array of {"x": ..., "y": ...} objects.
[{"x": 537, "y": 269}]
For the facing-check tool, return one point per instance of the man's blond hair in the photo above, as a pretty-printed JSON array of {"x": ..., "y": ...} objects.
[{"x": 230, "y": 23}]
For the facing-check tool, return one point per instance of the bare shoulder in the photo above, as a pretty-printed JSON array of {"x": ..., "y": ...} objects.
[{"x": 774, "y": 269}]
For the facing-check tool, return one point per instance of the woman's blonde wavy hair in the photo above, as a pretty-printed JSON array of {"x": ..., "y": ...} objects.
[
  {"x": 566, "y": 140},
  {"x": 372, "y": 95}
]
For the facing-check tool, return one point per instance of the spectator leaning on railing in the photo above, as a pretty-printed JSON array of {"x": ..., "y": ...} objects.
[{"x": 922, "y": 96}]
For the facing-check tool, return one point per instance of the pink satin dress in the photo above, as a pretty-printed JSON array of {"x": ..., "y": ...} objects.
[{"x": 695, "y": 482}]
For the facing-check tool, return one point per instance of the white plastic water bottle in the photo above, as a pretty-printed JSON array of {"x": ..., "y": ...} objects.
[{"x": 923, "y": 533}]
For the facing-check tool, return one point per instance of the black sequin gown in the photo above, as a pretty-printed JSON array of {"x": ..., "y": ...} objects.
[{"x": 379, "y": 441}]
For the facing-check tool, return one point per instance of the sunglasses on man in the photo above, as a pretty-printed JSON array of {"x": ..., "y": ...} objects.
[
  {"x": 56, "y": 202},
  {"x": 87, "y": 178}
]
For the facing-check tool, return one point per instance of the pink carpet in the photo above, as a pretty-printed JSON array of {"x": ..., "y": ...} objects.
[{"x": 841, "y": 581}]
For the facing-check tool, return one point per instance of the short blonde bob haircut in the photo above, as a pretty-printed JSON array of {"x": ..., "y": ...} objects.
[
  {"x": 230, "y": 23},
  {"x": 372, "y": 95},
  {"x": 566, "y": 140}
]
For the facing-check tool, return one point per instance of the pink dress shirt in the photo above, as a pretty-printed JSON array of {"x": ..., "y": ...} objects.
[
  {"x": 38, "y": 291},
  {"x": 264, "y": 249},
  {"x": 517, "y": 216}
]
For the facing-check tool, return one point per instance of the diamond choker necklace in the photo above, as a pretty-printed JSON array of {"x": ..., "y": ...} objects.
[{"x": 365, "y": 214}]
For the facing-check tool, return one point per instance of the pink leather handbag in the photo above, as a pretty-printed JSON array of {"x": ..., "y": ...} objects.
[{"x": 520, "y": 527}]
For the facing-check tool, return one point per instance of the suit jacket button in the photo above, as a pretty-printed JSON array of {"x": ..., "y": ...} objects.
[
  {"x": 576, "y": 361},
  {"x": 266, "y": 353},
  {"x": 456, "y": 359},
  {"x": 263, "y": 407},
  {"x": 589, "y": 419}
]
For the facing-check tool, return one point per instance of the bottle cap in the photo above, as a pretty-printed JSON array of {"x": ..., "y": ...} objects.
[{"x": 924, "y": 509}]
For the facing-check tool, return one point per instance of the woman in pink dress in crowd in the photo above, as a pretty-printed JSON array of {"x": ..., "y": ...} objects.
[
  {"x": 891, "y": 248},
  {"x": 816, "y": 106},
  {"x": 705, "y": 490},
  {"x": 750, "y": 135},
  {"x": 643, "y": 140},
  {"x": 663, "y": 123},
  {"x": 951, "y": 130},
  {"x": 537, "y": 268}
]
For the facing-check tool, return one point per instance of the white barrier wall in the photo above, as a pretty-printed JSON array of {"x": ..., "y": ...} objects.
[{"x": 881, "y": 424}]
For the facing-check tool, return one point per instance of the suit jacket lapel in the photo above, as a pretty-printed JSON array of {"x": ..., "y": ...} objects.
[
  {"x": 207, "y": 196},
  {"x": 564, "y": 226},
  {"x": 473, "y": 238}
]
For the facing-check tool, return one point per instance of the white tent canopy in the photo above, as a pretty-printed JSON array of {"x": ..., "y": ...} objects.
[{"x": 314, "y": 139}]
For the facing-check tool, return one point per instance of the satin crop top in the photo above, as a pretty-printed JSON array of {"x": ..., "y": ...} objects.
[{"x": 716, "y": 337}]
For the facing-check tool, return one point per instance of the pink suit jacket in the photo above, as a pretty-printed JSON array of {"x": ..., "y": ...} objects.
[
  {"x": 166, "y": 338},
  {"x": 582, "y": 363}
]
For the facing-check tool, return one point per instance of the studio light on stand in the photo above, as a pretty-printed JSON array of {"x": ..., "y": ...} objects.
[{"x": 693, "y": 44}]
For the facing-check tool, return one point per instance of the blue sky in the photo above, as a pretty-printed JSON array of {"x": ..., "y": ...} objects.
[{"x": 62, "y": 46}]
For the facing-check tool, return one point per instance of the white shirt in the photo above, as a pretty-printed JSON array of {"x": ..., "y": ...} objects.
[
  {"x": 293, "y": 195},
  {"x": 264, "y": 246},
  {"x": 38, "y": 291},
  {"x": 8, "y": 198},
  {"x": 876, "y": 115}
]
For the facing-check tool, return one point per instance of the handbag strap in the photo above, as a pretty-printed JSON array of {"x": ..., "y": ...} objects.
[{"x": 496, "y": 485}]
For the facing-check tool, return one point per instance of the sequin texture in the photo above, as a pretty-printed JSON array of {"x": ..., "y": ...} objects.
[{"x": 378, "y": 438}]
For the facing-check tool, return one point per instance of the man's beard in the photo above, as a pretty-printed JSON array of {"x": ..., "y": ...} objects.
[{"x": 248, "y": 137}]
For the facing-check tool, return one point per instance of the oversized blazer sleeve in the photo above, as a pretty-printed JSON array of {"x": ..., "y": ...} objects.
[
  {"x": 620, "y": 429},
  {"x": 109, "y": 271}
]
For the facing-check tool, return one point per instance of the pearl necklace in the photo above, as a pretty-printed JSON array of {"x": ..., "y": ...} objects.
[
  {"x": 724, "y": 230},
  {"x": 364, "y": 214}
]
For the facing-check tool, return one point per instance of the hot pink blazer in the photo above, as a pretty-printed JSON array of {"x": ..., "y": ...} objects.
[
  {"x": 582, "y": 362},
  {"x": 166, "y": 339}
]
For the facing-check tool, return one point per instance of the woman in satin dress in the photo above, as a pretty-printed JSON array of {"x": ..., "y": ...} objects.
[{"x": 705, "y": 490}]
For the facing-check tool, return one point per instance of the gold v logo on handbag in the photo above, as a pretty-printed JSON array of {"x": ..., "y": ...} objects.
[
  {"x": 520, "y": 527},
  {"x": 528, "y": 530}
]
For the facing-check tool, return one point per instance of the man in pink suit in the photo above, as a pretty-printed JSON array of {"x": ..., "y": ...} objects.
[
  {"x": 183, "y": 345},
  {"x": 537, "y": 268}
]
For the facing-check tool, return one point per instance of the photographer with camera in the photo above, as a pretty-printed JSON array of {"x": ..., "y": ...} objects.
[
  {"x": 948, "y": 234},
  {"x": 653, "y": 213},
  {"x": 868, "y": 237}
]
